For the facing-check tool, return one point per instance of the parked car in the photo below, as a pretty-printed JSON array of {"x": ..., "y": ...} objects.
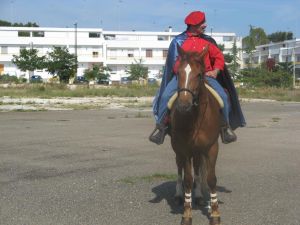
[
  {"x": 80, "y": 80},
  {"x": 103, "y": 81},
  {"x": 152, "y": 81},
  {"x": 125, "y": 80},
  {"x": 36, "y": 79}
]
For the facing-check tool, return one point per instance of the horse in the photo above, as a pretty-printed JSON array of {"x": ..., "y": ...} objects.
[{"x": 195, "y": 123}]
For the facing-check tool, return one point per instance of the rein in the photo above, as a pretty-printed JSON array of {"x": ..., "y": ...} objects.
[{"x": 195, "y": 96}]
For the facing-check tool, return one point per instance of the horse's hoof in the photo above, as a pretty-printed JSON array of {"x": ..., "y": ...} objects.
[
  {"x": 178, "y": 200},
  {"x": 200, "y": 202},
  {"x": 186, "y": 221},
  {"x": 215, "y": 221}
]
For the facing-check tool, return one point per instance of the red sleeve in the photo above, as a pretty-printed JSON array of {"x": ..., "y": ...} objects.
[{"x": 216, "y": 57}]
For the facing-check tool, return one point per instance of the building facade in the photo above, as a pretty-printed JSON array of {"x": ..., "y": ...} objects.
[
  {"x": 285, "y": 51},
  {"x": 115, "y": 49}
]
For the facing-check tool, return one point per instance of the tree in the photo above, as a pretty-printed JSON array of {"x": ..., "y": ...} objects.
[
  {"x": 100, "y": 73},
  {"x": 137, "y": 70},
  {"x": 257, "y": 36},
  {"x": 28, "y": 60},
  {"x": 234, "y": 66},
  {"x": 4, "y": 23},
  {"x": 280, "y": 36},
  {"x": 62, "y": 63}
]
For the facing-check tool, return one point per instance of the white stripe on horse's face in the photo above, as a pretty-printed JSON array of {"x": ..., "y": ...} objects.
[{"x": 188, "y": 70}]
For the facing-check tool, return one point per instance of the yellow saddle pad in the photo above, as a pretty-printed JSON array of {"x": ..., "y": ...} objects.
[{"x": 212, "y": 91}]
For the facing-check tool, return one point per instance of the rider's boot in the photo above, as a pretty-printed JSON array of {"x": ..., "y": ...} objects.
[
  {"x": 227, "y": 134},
  {"x": 158, "y": 134}
]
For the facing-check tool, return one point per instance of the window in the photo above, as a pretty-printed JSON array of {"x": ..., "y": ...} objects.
[
  {"x": 298, "y": 58},
  {"x": 165, "y": 53},
  {"x": 112, "y": 53},
  {"x": 38, "y": 34},
  {"x": 24, "y": 33},
  {"x": 162, "y": 38},
  {"x": 149, "y": 53},
  {"x": 228, "y": 38},
  {"x": 95, "y": 54},
  {"x": 94, "y": 35},
  {"x": 4, "y": 49},
  {"x": 109, "y": 37},
  {"x": 255, "y": 59},
  {"x": 130, "y": 53}
]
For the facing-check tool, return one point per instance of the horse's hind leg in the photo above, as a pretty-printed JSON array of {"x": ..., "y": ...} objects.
[
  {"x": 200, "y": 180},
  {"x": 179, "y": 185},
  {"x": 215, "y": 218}
]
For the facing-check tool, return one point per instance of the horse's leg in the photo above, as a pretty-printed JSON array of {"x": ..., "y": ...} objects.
[
  {"x": 179, "y": 186},
  {"x": 215, "y": 218},
  {"x": 200, "y": 180},
  {"x": 197, "y": 181},
  {"x": 188, "y": 183}
]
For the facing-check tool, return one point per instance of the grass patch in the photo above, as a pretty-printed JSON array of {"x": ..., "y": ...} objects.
[
  {"x": 60, "y": 90},
  {"x": 279, "y": 94},
  {"x": 149, "y": 178},
  {"x": 275, "y": 119}
]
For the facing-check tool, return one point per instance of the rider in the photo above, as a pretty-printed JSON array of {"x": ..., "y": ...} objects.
[{"x": 194, "y": 39}]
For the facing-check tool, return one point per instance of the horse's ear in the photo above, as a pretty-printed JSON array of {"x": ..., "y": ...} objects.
[{"x": 181, "y": 52}]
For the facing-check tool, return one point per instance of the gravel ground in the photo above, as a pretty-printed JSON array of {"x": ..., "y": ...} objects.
[{"x": 94, "y": 167}]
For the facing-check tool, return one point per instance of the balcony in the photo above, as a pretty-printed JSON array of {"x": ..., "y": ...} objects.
[{"x": 128, "y": 60}]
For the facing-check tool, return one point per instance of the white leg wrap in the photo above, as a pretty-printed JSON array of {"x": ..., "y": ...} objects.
[
  {"x": 213, "y": 195},
  {"x": 188, "y": 197},
  {"x": 213, "y": 198}
]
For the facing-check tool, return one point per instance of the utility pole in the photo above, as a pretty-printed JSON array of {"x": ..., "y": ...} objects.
[
  {"x": 294, "y": 69},
  {"x": 76, "y": 61}
]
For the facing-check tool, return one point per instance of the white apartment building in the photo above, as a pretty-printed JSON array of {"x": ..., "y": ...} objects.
[
  {"x": 115, "y": 49},
  {"x": 286, "y": 51}
]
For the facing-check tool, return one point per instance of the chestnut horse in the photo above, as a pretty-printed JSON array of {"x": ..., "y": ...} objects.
[{"x": 195, "y": 126}]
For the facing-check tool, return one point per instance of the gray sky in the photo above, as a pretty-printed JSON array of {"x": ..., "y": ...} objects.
[{"x": 156, "y": 15}]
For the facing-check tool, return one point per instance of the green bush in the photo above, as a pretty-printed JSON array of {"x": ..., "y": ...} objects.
[
  {"x": 262, "y": 77},
  {"x": 5, "y": 78}
]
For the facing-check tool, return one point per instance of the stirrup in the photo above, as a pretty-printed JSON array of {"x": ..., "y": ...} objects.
[
  {"x": 158, "y": 134},
  {"x": 227, "y": 135}
]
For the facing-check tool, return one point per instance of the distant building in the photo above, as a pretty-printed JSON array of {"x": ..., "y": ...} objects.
[
  {"x": 285, "y": 51},
  {"x": 115, "y": 49}
]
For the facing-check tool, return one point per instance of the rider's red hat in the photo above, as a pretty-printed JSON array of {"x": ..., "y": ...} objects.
[{"x": 195, "y": 18}]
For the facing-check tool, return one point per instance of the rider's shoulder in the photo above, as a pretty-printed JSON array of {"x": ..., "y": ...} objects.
[{"x": 208, "y": 38}]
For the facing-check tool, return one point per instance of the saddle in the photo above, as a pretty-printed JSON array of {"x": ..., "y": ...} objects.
[{"x": 209, "y": 88}]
